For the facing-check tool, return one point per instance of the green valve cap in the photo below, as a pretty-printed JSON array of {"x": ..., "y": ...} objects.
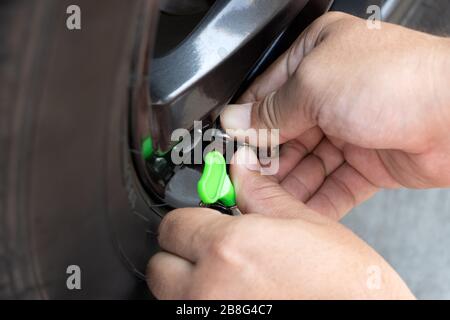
[
  {"x": 215, "y": 184},
  {"x": 147, "y": 148}
]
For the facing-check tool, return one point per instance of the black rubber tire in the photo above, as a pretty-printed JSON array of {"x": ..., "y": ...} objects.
[{"x": 68, "y": 191}]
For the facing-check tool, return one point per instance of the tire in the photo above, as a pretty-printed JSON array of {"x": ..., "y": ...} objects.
[{"x": 68, "y": 191}]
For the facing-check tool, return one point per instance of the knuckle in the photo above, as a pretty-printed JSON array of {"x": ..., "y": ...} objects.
[
  {"x": 223, "y": 248},
  {"x": 268, "y": 111},
  {"x": 336, "y": 23},
  {"x": 226, "y": 245},
  {"x": 253, "y": 93},
  {"x": 334, "y": 16},
  {"x": 261, "y": 189},
  {"x": 333, "y": 212}
]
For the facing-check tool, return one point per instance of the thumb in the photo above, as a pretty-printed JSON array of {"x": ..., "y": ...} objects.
[
  {"x": 284, "y": 112},
  {"x": 257, "y": 193}
]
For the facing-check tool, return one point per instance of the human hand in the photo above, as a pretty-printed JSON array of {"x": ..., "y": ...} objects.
[
  {"x": 357, "y": 109},
  {"x": 286, "y": 251}
]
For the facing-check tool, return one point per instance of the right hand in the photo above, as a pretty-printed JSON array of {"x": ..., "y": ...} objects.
[{"x": 357, "y": 109}]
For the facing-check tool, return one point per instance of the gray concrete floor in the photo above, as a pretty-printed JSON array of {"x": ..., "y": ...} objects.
[{"x": 411, "y": 229}]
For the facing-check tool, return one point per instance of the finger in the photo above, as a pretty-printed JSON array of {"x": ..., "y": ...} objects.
[
  {"x": 187, "y": 232},
  {"x": 168, "y": 276},
  {"x": 257, "y": 193},
  {"x": 308, "y": 176},
  {"x": 267, "y": 96},
  {"x": 371, "y": 165},
  {"x": 343, "y": 190},
  {"x": 295, "y": 150},
  {"x": 285, "y": 110},
  {"x": 277, "y": 74}
]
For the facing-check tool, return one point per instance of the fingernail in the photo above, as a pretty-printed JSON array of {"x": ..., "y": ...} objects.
[
  {"x": 237, "y": 117},
  {"x": 246, "y": 156}
]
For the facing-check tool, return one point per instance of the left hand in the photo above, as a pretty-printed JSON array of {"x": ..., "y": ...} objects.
[{"x": 286, "y": 251}]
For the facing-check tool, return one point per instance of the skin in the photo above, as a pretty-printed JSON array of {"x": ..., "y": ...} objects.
[{"x": 357, "y": 110}]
